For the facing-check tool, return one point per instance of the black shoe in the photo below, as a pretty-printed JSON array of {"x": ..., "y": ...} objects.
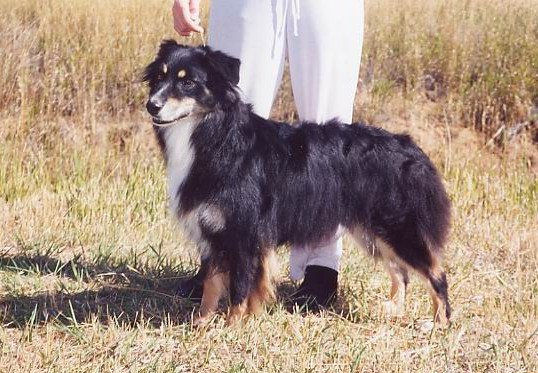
[
  {"x": 318, "y": 288},
  {"x": 192, "y": 288}
]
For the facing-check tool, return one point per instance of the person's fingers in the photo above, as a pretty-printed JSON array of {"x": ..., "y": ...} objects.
[
  {"x": 194, "y": 8},
  {"x": 186, "y": 29},
  {"x": 193, "y": 25},
  {"x": 181, "y": 28},
  {"x": 183, "y": 22}
]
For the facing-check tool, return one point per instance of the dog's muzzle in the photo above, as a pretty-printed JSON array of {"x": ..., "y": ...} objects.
[{"x": 171, "y": 111}]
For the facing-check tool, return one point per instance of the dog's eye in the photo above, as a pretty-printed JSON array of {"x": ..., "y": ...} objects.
[{"x": 187, "y": 83}]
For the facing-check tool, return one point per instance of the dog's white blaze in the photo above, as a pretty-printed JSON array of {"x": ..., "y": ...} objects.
[{"x": 180, "y": 156}]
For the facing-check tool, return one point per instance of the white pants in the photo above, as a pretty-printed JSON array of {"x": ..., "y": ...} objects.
[{"x": 323, "y": 43}]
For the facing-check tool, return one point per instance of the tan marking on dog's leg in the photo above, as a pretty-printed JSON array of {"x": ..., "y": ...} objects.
[
  {"x": 254, "y": 304},
  {"x": 436, "y": 269},
  {"x": 395, "y": 306},
  {"x": 363, "y": 239},
  {"x": 237, "y": 312},
  {"x": 264, "y": 291},
  {"x": 439, "y": 305},
  {"x": 439, "y": 310},
  {"x": 215, "y": 286}
]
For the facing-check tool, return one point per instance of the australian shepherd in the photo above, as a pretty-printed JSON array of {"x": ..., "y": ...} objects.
[{"x": 241, "y": 185}]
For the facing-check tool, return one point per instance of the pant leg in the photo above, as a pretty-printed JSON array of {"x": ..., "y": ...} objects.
[
  {"x": 324, "y": 48},
  {"x": 254, "y": 32}
]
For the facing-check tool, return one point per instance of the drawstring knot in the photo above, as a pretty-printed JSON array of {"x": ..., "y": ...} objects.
[{"x": 296, "y": 13}]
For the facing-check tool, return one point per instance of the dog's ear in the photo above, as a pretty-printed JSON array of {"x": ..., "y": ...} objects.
[
  {"x": 227, "y": 66},
  {"x": 149, "y": 71},
  {"x": 166, "y": 47}
]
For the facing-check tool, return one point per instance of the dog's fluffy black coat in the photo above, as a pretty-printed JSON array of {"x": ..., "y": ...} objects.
[{"x": 273, "y": 183}]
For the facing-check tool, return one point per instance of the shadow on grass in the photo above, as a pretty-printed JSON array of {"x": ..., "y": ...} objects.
[
  {"x": 341, "y": 307},
  {"x": 126, "y": 295}
]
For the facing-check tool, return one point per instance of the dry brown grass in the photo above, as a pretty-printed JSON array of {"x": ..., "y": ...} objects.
[
  {"x": 89, "y": 257},
  {"x": 91, "y": 260},
  {"x": 82, "y": 58}
]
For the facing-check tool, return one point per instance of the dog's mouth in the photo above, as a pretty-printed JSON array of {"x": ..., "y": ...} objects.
[{"x": 166, "y": 123}]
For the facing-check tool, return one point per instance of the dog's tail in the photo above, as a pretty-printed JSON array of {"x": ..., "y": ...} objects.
[
  {"x": 433, "y": 213},
  {"x": 433, "y": 209}
]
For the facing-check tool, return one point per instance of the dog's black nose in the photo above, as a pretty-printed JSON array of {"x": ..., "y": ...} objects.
[{"x": 154, "y": 107}]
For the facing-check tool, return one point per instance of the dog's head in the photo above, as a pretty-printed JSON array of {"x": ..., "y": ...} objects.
[{"x": 186, "y": 81}]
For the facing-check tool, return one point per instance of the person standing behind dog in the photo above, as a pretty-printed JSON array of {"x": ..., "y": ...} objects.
[{"x": 323, "y": 43}]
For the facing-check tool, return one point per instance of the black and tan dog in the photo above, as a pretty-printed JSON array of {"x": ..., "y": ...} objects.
[{"x": 242, "y": 185}]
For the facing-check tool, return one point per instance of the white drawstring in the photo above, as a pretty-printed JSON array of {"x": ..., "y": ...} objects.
[
  {"x": 280, "y": 26},
  {"x": 296, "y": 13},
  {"x": 279, "y": 29}
]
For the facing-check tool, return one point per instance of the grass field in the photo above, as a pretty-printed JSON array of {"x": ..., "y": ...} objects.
[{"x": 89, "y": 256}]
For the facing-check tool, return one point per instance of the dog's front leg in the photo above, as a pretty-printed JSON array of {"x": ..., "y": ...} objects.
[
  {"x": 215, "y": 285},
  {"x": 242, "y": 277}
]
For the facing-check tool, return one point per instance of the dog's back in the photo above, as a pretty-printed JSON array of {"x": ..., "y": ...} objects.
[{"x": 349, "y": 174}]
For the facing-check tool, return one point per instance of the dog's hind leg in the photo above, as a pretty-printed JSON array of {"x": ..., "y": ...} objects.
[
  {"x": 399, "y": 277},
  {"x": 439, "y": 292},
  {"x": 414, "y": 252},
  {"x": 395, "y": 306}
]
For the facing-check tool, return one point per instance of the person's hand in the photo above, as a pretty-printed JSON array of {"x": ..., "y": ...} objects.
[{"x": 186, "y": 15}]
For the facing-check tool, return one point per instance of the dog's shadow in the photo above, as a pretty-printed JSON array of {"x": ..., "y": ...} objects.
[{"x": 122, "y": 295}]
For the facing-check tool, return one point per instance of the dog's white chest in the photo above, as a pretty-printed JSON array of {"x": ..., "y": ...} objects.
[{"x": 180, "y": 157}]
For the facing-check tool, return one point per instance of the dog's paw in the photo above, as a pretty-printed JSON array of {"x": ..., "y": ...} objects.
[
  {"x": 236, "y": 313},
  {"x": 232, "y": 319},
  {"x": 427, "y": 326},
  {"x": 392, "y": 309},
  {"x": 200, "y": 321},
  {"x": 441, "y": 322}
]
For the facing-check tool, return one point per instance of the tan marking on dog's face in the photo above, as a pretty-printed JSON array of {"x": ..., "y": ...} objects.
[
  {"x": 175, "y": 108},
  {"x": 164, "y": 68},
  {"x": 181, "y": 73}
]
